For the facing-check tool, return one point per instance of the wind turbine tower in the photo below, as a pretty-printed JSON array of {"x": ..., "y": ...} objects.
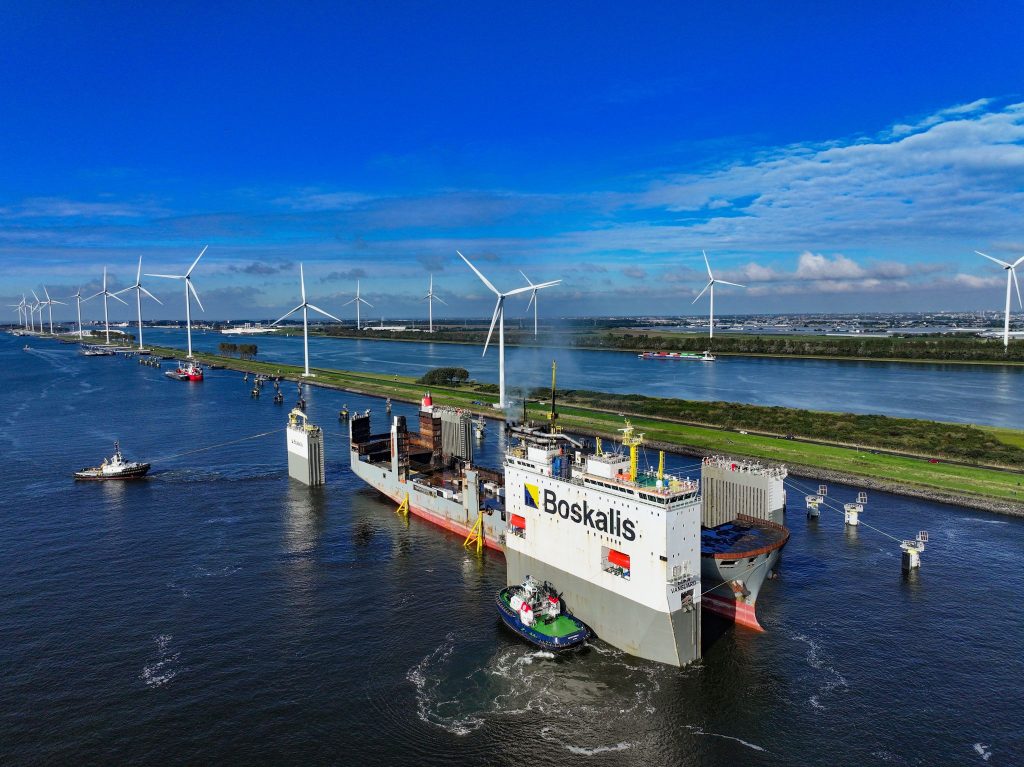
[
  {"x": 499, "y": 317},
  {"x": 1011, "y": 276},
  {"x": 48, "y": 303},
  {"x": 305, "y": 306},
  {"x": 358, "y": 300},
  {"x": 78, "y": 306},
  {"x": 533, "y": 301},
  {"x": 430, "y": 298},
  {"x": 187, "y": 277},
  {"x": 711, "y": 287},
  {"x": 139, "y": 290},
  {"x": 106, "y": 294}
]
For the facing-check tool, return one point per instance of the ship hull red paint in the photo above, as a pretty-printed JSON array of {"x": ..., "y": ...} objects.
[
  {"x": 738, "y": 612},
  {"x": 448, "y": 524}
]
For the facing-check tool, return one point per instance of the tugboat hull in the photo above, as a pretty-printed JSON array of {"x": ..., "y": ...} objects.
[
  {"x": 97, "y": 475},
  {"x": 548, "y": 642}
]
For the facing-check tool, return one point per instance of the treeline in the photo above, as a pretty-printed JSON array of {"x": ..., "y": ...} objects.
[
  {"x": 445, "y": 377},
  {"x": 243, "y": 351},
  {"x": 938, "y": 348},
  {"x": 929, "y": 438}
]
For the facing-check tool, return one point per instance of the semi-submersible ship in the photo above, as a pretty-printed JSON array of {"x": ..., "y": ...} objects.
[{"x": 634, "y": 553}]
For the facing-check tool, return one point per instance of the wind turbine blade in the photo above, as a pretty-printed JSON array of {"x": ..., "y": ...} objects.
[
  {"x": 326, "y": 314},
  {"x": 483, "y": 279},
  {"x": 35, "y": 296},
  {"x": 1018, "y": 262},
  {"x": 702, "y": 292},
  {"x": 533, "y": 297},
  {"x": 196, "y": 262},
  {"x": 525, "y": 277},
  {"x": 55, "y": 301},
  {"x": 494, "y": 318},
  {"x": 123, "y": 290},
  {"x": 1001, "y": 263},
  {"x": 734, "y": 284},
  {"x": 708, "y": 265},
  {"x": 302, "y": 283},
  {"x": 46, "y": 293},
  {"x": 1017, "y": 286},
  {"x": 436, "y": 298},
  {"x": 364, "y": 301},
  {"x": 138, "y": 274},
  {"x": 117, "y": 298},
  {"x": 194, "y": 294},
  {"x": 168, "y": 276},
  {"x": 287, "y": 315},
  {"x": 151, "y": 295},
  {"x": 350, "y": 302}
]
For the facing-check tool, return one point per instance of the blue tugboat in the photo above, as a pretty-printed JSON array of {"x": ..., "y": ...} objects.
[{"x": 534, "y": 611}]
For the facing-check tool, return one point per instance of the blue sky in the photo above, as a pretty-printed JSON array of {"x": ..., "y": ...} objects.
[{"x": 840, "y": 157}]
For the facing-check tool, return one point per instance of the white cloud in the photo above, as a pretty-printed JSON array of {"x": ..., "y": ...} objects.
[{"x": 814, "y": 266}]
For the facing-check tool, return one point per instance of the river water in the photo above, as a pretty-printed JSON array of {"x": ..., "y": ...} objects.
[
  {"x": 983, "y": 394},
  {"x": 221, "y": 613}
]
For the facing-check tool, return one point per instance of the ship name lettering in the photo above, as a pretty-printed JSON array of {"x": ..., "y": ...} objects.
[{"x": 605, "y": 522}]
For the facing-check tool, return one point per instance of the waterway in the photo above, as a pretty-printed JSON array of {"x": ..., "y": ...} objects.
[
  {"x": 218, "y": 612},
  {"x": 983, "y": 394}
]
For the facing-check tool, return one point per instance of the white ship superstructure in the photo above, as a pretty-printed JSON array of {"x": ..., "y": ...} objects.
[{"x": 622, "y": 547}]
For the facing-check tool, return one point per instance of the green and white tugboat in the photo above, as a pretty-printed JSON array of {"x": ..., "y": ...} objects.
[{"x": 536, "y": 613}]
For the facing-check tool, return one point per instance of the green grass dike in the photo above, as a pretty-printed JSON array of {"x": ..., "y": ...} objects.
[{"x": 975, "y": 466}]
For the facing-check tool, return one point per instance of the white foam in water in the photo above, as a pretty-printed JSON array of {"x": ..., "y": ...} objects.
[
  {"x": 834, "y": 680},
  {"x": 163, "y": 670},
  {"x": 700, "y": 731},
  {"x": 983, "y": 751},
  {"x": 517, "y": 680},
  {"x": 598, "y": 749}
]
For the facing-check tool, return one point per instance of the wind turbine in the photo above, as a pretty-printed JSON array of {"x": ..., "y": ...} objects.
[
  {"x": 533, "y": 302},
  {"x": 48, "y": 303},
  {"x": 305, "y": 306},
  {"x": 20, "y": 307},
  {"x": 430, "y": 298},
  {"x": 139, "y": 290},
  {"x": 499, "y": 316},
  {"x": 711, "y": 284},
  {"x": 78, "y": 306},
  {"x": 187, "y": 277},
  {"x": 36, "y": 307},
  {"x": 1011, "y": 274},
  {"x": 106, "y": 294},
  {"x": 358, "y": 300}
]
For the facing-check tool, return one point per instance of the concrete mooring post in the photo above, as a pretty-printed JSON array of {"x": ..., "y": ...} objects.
[{"x": 305, "y": 449}]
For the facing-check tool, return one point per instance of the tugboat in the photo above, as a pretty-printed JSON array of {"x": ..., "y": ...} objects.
[
  {"x": 186, "y": 371},
  {"x": 114, "y": 467},
  {"x": 535, "y": 613}
]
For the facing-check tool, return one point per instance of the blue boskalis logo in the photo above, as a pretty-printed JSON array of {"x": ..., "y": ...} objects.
[{"x": 531, "y": 496}]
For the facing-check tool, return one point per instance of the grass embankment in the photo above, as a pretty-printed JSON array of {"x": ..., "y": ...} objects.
[{"x": 943, "y": 480}]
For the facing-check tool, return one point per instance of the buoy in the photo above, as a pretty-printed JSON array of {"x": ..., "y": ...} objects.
[
  {"x": 911, "y": 559},
  {"x": 813, "y": 502}
]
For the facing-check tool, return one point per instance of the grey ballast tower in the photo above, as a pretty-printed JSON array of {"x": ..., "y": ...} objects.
[{"x": 305, "y": 449}]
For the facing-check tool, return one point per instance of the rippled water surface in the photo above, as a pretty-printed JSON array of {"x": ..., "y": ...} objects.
[{"x": 219, "y": 612}]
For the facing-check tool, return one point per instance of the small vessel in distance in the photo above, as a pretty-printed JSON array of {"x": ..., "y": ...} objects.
[
  {"x": 707, "y": 356},
  {"x": 115, "y": 467},
  {"x": 534, "y": 611},
  {"x": 186, "y": 371}
]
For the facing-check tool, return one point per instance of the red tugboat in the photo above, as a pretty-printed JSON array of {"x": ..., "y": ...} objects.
[{"x": 186, "y": 371}]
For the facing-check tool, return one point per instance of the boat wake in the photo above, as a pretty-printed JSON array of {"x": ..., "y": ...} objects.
[
  {"x": 983, "y": 751},
  {"x": 816, "y": 659},
  {"x": 537, "y": 688}
]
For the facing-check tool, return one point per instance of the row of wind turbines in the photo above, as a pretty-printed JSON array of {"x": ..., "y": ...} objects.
[{"x": 27, "y": 312}]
